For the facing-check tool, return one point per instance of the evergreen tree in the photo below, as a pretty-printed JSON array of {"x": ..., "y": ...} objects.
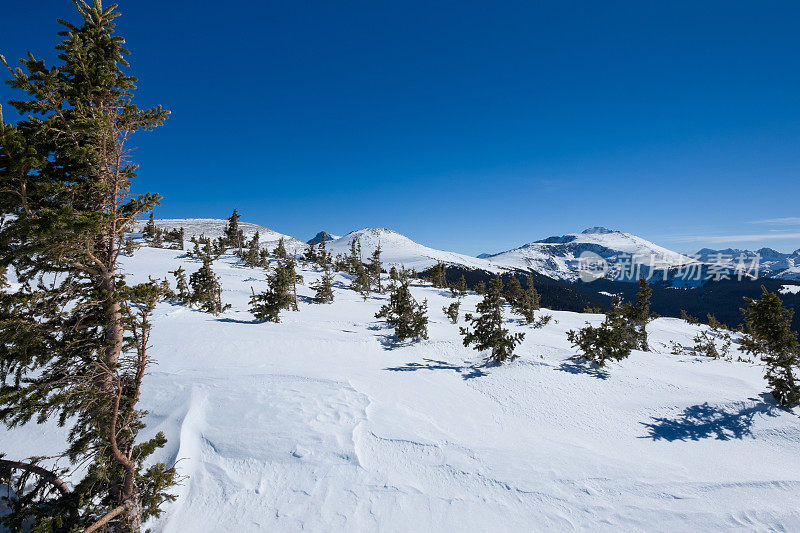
[
  {"x": 402, "y": 312},
  {"x": 310, "y": 254},
  {"x": 354, "y": 262},
  {"x": 393, "y": 274},
  {"x": 480, "y": 287},
  {"x": 183, "y": 294},
  {"x": 526, "y": 301},
  {"x": 640, "y": 313},
  {"x": 206, "y": 291},
  {"x": 768, "y": 333},
  {"x": 451, "y": 311},
  {"x": 438, "y": 275},
  {"x": 149, "y": 230},
  {"x": 323, "y": 256},
  {"x": 158, "y": 238},
  {"x": 513, "y": 292},
  {"x": 280, "y": 250},
  {"x": 233, "y": 235},
  {"x": 361, "y": 282},
  {"x": 612, "y": 340},
  {"x": 266, "y": 306},
  {"x": 488, "y": 332},
  {"x": 374, "y": 269},
  {"x": 323, "y": 288},
  {"x": 459, "y": 290},
  {"x": 73, "y": 335},
  {"x": 130, "y": 246},
  {"x": 253, "y": 256}
]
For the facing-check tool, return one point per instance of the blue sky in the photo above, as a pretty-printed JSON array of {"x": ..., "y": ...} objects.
[{"x": 469, "y": 126}]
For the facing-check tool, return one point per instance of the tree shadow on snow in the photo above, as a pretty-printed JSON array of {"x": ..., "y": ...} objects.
[
  {"x": 580, "y": 366},
  {"x": 467, "y": 371},
  {"x": 705, "y": 421},
  {"x": 238, "y": 321}
]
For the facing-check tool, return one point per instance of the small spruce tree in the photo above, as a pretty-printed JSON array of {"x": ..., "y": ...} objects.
[
  {"x": 280, "y": 250},
  {"x": 374, "y": 269},
  {"x": 487, "y": 331},
  {"x": 361, "y": 281},
  {"x": 451, "y": 311},
  {"x": 768, "y": 333},
  {"x": 206, "y": 291},
  {"x": 323, "y": 289},
  {"x": 460, "y": 289},
  {"x": 402, "y": 312}
]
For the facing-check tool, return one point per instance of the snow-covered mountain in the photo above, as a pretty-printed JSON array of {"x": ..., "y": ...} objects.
[
  {"x": 398, "y": 250},
  {"x": 316, "y": 239},
  {"x": 771, "y": 263},
  {"x": 558, "y": 257},
  {"x": 215, "y": 227}
]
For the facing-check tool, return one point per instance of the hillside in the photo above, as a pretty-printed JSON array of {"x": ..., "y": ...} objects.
[
  {"x": 398, "y": 250},
  {"x": 323, "y": 422},
  {"x": 558, "y": 257}
]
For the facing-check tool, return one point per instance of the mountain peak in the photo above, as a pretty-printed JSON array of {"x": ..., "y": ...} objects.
[
  {"x": 316, "y": 239},
  {"x": 597, "y": 230}
]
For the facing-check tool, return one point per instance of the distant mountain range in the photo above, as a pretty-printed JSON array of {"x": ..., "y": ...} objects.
[{"x": 557, "y": 257}]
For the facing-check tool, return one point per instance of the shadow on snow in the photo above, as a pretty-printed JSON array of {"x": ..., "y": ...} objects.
[
  {"x": 705, "y": 421},
  {"x": 581, "y": 366},
  {"x": 467, "y": 371}
]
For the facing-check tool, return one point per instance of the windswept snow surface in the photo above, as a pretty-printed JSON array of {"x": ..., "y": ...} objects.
[
  {"x": 323, "y": 423},
  {"x": 398, "y": 250}
]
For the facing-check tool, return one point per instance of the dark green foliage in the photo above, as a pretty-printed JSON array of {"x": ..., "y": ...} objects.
[
  {"x": 267, "y": 306},
  {"x": 407, "y": 317},
  {"x": 149, "y": 230},
  {"x": 323, "y": 288},
  {"x": 640, "y": 313},
  {"x": 689, "y": 318},
  {"x": 175, "y": 238},
  {"x": 487, "y": 331},
  {"x": 612, "y": 340},
  {"x": 480, "y": 287},
  {"x": 206, "y": 293},
  {"x": 253, "y": 257},
  {"x": 73, "y": 335},
  {"x": 542, "y": 321},
  {"x": 130, "y": 246},
  {"x": 280, "y": 250},
  {"x": 234, "y": 237},
  {"x": 361, "y": 281},
  {"x": 438, "y": 275},
  {"x": 182, "y": 286},
  {"x": 310, "y": 254},
  {"x": 323, "y": 256},
  {"x": 374, "y": 269},
  {"x": 460, "y": 289},
  {"x": 524, "y": 302},
  {"x": 768, "y": 333},
  {"x": 353, "y": 261},
  {"x": 451, "y": 311},
  {"x": 393, "y": 274}
]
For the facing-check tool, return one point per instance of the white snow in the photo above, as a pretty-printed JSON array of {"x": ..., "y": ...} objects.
[
  {"x": 398, "y": 250},
  {"x": 321, "y": 423},
  {"x": 790, "y": 289}
]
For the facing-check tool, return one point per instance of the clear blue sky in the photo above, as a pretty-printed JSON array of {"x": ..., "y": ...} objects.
[{"x": 470, "y": 126}]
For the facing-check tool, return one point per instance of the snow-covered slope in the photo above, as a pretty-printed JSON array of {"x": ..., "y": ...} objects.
[
  {"x": 215, "y": 227},
  {"x": 323, "y": 423},
  {"x": 558, "y": 257},
  {"x": 397, "y": 250},
  {"x": 772, "y": 263}
]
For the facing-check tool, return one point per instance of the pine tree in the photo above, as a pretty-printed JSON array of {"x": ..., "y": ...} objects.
[
  {"x": 526, "y": 301},
  {"x": 374, "y": 269},
  {"x": 402, "y": 312},
  {"x": 480, "y": 287},
  {"x": 451, "y": 311},
  {"x": 768, "y": 333},
  {"x": 233, "y": 235},
  {"x": 323, "y": 256},
  {"x": 130, "y": 246},
  {"x": 182, "y": 286},
  {"x": 439, "y": 275},
  {"x": 253, "y": 256},
  {"x": 361, "y": 281},
  {"x": 75, "y": 347},
  {"x": 354, "y": 262},
  {"x": 280, "y": 250},
  {"x": 206, "y": 291},
  {"x": 323, "y": 288},
  {"x": 310, "y": 254},
  {"x": 149, "y": 230},
  {"x": 266, "y": 306},
  {"x": 460, "y": 289},
  {"x": 612, "y": 340},
  {"x": 393, "y": 274},
  {"x": 640, "y": 313},
  {"x": 488, "y": 332}
]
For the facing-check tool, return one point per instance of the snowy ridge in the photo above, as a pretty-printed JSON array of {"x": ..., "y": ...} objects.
[
  {"x": 398, "y": 250},
  {"x": 557, "y": 257},
  {"x": 215, "y": 227},
  {"x": 772, "y": 263}
]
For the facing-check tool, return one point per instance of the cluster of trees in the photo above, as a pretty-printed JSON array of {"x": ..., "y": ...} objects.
[{"x": 158, "y": 237}]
